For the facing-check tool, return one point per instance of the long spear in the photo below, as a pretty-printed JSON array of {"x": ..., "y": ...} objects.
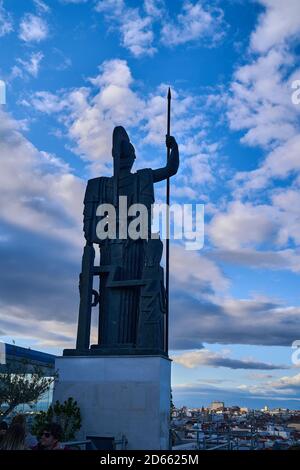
[{"x": 168, "y": 227}]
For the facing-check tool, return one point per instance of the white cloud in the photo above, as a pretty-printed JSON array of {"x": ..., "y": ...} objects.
[
  {"x": 205, "y": 357},
  {"x": 37, "y": 189},
  {"x": 6, "y": 24},
  {"x": 288, "y": 200},
  {"x": 137, "y": 35},
  {"x": 259, "y": 376},
  {"x": 283, "y": 386},
  {"x": 288, "y": 259},
  {"x": 202, "y": 278},
  {"x": 287, "y": 381},
  {"x": 136, "y": 25},
  {"x": 19, "y": 322},
  {"x": 41, "y": 6},
  {"x": 154, "y": 8},
  {"x": 278, "y": 23},
  {"x": 74, "y": 1},
  {"x": 245, "y": 225},
  {"x": 114, "y": 7},
  {"x": 135, "y": 29},
  {"x": 200, "y": 169},
  {"x": 260, "y": 105},
  {"x": 32, "y": 66},
  {"x": 227, "y": 320},
  {"x": 33, "y": 28},
  {"x": 260, "y": 101},
  {"x": 194, "y": 22},
  {"x": 282, "y": 162},
  {"x": 47, "y": 102},
  {"x": 90, "y": 113}
]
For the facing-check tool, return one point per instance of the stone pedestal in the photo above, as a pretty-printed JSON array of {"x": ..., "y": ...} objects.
[{"x": 120, "y": 395}]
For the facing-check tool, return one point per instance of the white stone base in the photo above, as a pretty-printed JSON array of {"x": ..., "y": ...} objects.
[{"x": 119, "y": 395}]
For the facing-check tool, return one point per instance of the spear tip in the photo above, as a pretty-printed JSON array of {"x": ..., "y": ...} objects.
[{"x": 169, "y": 93}]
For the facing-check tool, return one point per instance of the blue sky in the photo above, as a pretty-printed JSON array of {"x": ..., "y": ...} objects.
[{"x": 73, "y": 70}]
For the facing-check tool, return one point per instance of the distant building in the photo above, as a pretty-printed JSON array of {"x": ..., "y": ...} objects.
[
  {"x": 234, "y": 409},
  {"x": 279, "y": 431},
  {"x": 279, "y": 411},
  {"x": 244, "y": 410},
  {"x": 217, "y": 406},
  {"x": 265, "y": 409},
  {"x": 12, "y": 356}
]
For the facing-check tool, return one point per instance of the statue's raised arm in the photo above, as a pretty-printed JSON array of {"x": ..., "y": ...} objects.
[{"x": 173, "y": 162}]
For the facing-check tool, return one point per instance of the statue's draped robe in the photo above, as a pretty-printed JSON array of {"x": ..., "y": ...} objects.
[{"x": 119, "y": 308}]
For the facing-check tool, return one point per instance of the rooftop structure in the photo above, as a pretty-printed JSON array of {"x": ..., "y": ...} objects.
[
  {"x": 217, "y": 405},
  {"x": 12, "y": 355}
]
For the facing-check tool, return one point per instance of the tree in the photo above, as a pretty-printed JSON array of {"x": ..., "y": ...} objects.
[
  {"x": 172, "y": 406},
  {"x": 20, "y": 385},
  {"x": 67, "y": 414}
]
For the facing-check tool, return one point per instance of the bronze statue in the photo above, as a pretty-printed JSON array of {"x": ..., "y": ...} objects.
[{"x": 131, "y": 296}]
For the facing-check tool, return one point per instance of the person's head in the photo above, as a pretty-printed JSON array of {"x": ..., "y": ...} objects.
[
  {"x": 3, "y": 428},
  {"x": 19, "y": 419},
  {"x": 14, "y": 438},
  {"x": 51, "y": 436}
]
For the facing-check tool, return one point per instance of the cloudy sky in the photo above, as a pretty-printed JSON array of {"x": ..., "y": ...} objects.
[{"x": 76, "y": 68}]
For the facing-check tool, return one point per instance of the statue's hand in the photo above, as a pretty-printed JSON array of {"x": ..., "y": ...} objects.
[{"x": 170, "y": 142}]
